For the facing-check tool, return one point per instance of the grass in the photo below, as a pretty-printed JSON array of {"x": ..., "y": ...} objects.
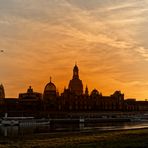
[{"x": 113, "y": 139}]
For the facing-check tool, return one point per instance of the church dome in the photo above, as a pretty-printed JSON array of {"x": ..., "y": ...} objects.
[
  {"x": 75, "y": 85},
  {"x": 95, "y": 92},
  {"x": 50, "y": 87},
  {"x": 49, "y": 92}
]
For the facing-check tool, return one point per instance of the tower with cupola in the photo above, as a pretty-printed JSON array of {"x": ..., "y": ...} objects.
[{"x": 75, "y": 84}]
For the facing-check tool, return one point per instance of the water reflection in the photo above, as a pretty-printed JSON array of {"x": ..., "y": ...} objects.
[
  {"x": 15, "y": 131},
  {"x": 9, "y": 131}
]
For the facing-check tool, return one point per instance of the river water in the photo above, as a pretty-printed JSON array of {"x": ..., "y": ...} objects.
[{"x": 16, "y": 131}]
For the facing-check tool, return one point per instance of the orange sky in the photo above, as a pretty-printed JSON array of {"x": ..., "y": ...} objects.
[{"x": 107, "y": 38}]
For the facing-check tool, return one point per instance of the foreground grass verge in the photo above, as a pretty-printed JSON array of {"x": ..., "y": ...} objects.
[{"x": 113, "y": 139}]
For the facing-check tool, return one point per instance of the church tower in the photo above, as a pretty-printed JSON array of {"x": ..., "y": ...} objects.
[
  {"x": 2, "y": 92},
  {"x": 75, "y": 85},
  {"x": 86, "y": 91},
  {"x": 75, "y": 72}
]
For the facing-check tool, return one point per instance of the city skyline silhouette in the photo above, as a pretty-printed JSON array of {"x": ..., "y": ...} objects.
[{"x": 73, "y": 73}]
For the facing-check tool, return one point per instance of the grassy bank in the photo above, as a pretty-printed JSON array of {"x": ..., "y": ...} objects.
[{"x": 112, "y": 139}]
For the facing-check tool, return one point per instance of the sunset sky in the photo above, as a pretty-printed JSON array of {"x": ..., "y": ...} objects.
[{"x": 107, "y": 38}]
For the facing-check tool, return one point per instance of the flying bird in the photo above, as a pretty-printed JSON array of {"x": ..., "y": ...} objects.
[{"x": 1, "y": 50}]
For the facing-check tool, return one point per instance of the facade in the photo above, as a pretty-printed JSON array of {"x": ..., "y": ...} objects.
[
  {"x": 31, "y": 101},
  {"x": 50, "y": 97},
  {"x": 141, "y": 105}
]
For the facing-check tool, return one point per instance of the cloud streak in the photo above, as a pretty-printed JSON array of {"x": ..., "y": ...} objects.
[{"x": 45, "y": 38}]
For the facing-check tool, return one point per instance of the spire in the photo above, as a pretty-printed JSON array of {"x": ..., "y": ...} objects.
[
  {"x": 86, "y": 91},
  {"x": 75, "y": 63},
  {"x": 50, "y": 79},
  {"x": 64, "y": 87},
  {"x": 30, "y": 90}
]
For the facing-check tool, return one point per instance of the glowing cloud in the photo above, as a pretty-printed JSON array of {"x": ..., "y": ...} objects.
[{"x": 107, "y": 38}]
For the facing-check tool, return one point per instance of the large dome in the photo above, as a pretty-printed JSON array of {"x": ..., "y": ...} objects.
[
  {"x": 50, "y": 87},
  {"x": 75, "y": 85}
]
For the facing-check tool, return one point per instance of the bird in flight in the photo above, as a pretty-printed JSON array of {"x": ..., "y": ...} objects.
[{"x": 1, "y": 50}]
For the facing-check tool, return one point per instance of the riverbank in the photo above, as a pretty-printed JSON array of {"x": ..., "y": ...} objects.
[{"x": 111, "y": 139}]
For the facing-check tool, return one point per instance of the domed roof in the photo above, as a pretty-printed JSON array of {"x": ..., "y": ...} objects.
[
  {"x": 95, "y": 92},
  {"x": 50, "y": 87},
  {"x": 75, "y": 85}
]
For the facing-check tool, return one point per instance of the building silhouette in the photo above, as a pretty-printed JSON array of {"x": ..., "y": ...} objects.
[
  {"x": 75, "y": 85},
  {"x": 50, "y": 96},
  {"x": 72, "y": 99},
  {"x": 2, "y": 92},
  {"x": 30, "y": 100}
]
